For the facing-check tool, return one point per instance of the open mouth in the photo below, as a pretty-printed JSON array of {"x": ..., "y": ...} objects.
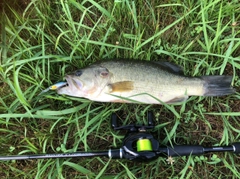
[
  {"x": 63, "y": 86},
  {"x": 72, "y": 82}
]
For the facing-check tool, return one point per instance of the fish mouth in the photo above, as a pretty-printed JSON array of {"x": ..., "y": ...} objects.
[
  {"x": 71, "y": 84},
  {"x": 62, "y": 87},
  {"x": 65, "y": 88}
]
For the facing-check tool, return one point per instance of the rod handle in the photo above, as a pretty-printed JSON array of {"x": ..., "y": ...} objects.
[
  {"x": 185, "y": 150},
  {"x": 236, "y": 147}
]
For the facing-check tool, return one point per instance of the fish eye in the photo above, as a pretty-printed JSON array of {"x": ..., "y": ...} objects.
[{"x": 78, "y": 72}]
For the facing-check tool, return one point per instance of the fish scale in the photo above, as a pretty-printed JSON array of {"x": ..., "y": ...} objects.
[{"x": 152, "y": 83}]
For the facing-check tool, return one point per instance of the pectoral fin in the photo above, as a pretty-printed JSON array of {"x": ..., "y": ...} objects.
[{"x": 122, "y": 86}]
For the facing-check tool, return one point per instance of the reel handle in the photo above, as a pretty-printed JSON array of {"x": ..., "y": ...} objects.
[{"x": 133, "y": 127}]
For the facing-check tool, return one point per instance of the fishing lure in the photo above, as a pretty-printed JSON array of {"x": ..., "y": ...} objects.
[{"x": 54, "y": 87}]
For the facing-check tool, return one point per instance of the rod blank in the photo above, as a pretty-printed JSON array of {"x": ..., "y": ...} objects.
[{"x": 48, "y": 156}]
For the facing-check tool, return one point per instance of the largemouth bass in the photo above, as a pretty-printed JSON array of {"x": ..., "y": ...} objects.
[{"x": 131, "y": 81}]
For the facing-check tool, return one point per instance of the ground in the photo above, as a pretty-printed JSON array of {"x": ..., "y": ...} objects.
[{"x": 41, "y": 41}]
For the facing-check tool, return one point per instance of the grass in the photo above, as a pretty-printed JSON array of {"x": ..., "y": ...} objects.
[{"x": 41, "y": 41}]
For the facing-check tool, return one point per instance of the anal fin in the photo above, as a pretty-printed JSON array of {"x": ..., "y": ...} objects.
[{"x": 177, "y": 99}]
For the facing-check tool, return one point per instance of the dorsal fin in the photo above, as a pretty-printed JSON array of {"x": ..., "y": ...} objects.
[{"x": 171, "y": 67}]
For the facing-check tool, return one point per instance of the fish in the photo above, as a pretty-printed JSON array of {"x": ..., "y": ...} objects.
[{"x": 139, "y": 81}]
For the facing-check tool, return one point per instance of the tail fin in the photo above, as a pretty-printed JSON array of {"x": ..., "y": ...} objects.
[{"x": 218, "y": 85}]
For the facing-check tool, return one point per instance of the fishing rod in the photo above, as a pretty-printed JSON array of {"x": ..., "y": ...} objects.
[{"x": 138, "y": 145}]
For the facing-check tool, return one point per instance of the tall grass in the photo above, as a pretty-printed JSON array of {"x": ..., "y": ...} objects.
[{"x": 41, "y": 41}]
